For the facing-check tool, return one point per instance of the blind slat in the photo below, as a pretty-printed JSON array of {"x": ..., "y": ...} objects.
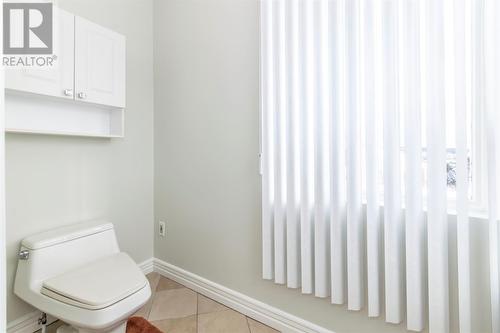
[
  {"x": 280, "y": 120},
  {"x": 307, "y": 156},
  {"x": 293, "y": 142},
  {"x": 322, "y": 179},
  {"x": 414, "y": 218},
  {"x": 373, "y": 227},
  {"x": 337, "y": 157},
  {"x": 437, "y": 225},
  {"x": 392, "y": 190},
  {"x": 355, "y": 248},
  {"x": 267, "y": 167},
  {"x": 462, "y": 174},
  {"x": 492, "y": 70}
]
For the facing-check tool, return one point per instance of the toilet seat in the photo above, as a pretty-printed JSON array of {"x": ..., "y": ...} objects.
[{"x": 98, "y": 284}]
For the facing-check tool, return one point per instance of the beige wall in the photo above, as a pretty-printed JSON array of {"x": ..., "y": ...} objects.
[
  {"x": 207, "y": 186},
  {"x": 53, "y": 181}
]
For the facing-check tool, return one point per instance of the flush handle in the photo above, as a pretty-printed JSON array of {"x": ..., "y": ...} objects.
[
  {"x": 68, "y": 92},
  {"x": 24, "y": 255},
  {"x": 82, "y": 95}
]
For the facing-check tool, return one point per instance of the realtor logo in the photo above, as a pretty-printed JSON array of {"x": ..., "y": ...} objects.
[{"x": 28, "y": 28}]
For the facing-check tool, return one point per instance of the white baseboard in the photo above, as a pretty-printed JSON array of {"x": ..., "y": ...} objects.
[
  {"x": 147, "y": 266},
  {"x": 248, "y": 306}
]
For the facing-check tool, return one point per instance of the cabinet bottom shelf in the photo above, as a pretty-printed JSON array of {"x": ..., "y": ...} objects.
[{"x": 26, "y": 113}]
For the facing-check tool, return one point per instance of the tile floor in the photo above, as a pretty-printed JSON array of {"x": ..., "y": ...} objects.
[{"x": 174, "y": 308}]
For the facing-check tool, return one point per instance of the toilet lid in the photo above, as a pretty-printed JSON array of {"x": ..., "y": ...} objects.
[{"x": 98, "y": 284}]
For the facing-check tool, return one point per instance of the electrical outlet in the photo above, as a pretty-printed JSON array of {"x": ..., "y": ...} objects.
[{"x": 162, "y": 229}]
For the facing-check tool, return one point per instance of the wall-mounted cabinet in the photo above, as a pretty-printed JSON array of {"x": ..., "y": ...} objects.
[
  {"x": 99, "y": 64},
  {"x": 56, "y": 81},
  {"x": 84, "y": 94}
]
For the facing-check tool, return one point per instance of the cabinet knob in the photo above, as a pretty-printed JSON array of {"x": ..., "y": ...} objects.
[
  {"x": 82, "y": 95},
  {"x": 68, "y": 92}
]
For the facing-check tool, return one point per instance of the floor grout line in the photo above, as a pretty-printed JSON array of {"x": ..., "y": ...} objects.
[
  {"x": 248, "y": 325},
  {"x": 153, "y": 293},
  {"x": 197, "y": 309}
]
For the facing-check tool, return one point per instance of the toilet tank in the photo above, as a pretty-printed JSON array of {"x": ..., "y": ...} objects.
[{"x": 59, "y": 250}]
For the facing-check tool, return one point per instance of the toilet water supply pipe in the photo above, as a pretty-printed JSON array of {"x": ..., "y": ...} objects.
[{"x": 43, "y": 321}]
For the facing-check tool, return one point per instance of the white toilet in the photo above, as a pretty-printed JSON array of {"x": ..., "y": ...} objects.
[{"x": 78, "y": 275}]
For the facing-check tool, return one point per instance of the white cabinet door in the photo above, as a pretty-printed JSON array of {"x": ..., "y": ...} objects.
[
  {"x": 58, "y": 80},
  {"x": 99, "y": 64}
]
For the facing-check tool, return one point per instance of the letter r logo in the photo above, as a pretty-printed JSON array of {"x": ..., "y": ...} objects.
[{"x": 28, "y": 28}]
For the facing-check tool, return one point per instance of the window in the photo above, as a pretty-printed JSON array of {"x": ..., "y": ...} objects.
[{"x": 384, "y": 101}]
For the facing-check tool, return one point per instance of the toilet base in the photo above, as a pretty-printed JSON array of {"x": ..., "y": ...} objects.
[
  {"x": 70, "y": 329},
  {"x": 66, "y": 329}
]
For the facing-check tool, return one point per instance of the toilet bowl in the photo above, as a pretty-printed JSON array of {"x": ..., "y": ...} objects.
[{"x": 78, "y": 275}]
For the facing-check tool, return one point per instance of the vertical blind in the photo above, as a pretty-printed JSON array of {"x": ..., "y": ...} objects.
[{"x": 361, "y": 102}]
